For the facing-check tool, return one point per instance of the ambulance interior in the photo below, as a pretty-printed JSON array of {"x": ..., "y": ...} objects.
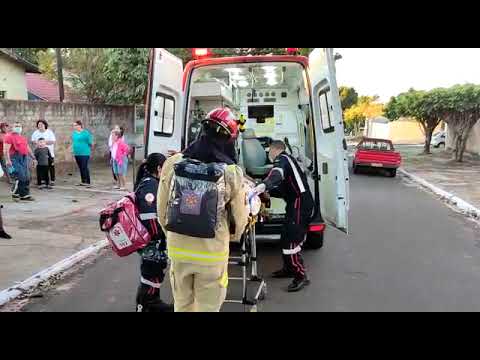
[{"x": 275, "y": 100}]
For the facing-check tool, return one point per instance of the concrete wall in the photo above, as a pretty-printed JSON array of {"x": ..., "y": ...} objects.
[
  {"x": 99, "y": 119},
  {"x": 12, "y": 79},
  {"x": 403, "y": 131},
  {"x": 473, "y": 143}
]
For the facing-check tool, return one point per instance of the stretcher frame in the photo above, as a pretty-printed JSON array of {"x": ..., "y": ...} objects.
[{"x": 248, "y": 262}]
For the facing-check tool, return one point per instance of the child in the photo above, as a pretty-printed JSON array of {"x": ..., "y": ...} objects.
[
  {"x": 120, "y": 151},
  {"x": 44, "y": 158}
]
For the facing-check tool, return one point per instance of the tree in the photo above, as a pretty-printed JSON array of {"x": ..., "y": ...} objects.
[
  {"x": 86, "y": 67},
  {"x": 348, "y": 97},
  {"x": 419, "y": 106},
  {"x": 29, "y": 54},
  {"x": 367, "y": 107},
  {"x": 47, "y": 62},
  {"x": 459, "y": 107},
  {"x": 127, "y": 68}
]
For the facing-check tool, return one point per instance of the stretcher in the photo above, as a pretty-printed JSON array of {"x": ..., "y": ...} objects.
[{"x": 247, "y": 261}]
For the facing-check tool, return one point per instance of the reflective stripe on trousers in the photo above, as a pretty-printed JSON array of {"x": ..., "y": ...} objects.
[{"x": 201, "y": 256}]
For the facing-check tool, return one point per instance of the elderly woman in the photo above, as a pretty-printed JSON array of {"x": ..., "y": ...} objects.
[{"x": 44, "y": 132}]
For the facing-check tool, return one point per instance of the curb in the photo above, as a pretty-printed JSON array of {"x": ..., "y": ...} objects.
[
  {"x": 33, "y": 281},
  {"x": 463, "y": 206}
]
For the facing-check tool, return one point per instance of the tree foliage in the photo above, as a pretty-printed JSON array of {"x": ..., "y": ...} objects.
[
  {"x": 348, "y": 97},
  {"x": 118, "y": 75},
  {"x": 458, "y": 106},
  {"x": 367, "y": 107},
  {"x": 127, "y": 68},
  {"x": 86, "y": 73},
  {"x": 29, "y": 54}
]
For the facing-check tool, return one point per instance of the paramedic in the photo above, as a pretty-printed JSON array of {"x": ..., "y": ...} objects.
[
  {"x": 153, "y": 256},
  {"x": 287, "y": 181},
  {"x": 198, "y": 272}
]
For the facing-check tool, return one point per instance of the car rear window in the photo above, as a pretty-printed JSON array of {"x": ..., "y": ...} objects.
[{"x": 375, "y": 145}]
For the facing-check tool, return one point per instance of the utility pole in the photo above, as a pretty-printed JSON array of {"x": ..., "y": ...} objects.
[{"x": 60, "y": 74}]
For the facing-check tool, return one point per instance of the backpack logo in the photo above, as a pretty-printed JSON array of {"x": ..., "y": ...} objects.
[{"x": 191, "y": 203}]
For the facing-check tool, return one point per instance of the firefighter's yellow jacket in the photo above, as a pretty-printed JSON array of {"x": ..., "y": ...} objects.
[{"x": 200, "y": 251}]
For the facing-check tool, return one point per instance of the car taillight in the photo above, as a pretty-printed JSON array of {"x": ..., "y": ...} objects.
[{"x": 316, "y": 228}]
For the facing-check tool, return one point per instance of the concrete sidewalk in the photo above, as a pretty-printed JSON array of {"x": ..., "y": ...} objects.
[
  {"x": 58, "y": 224},
  {"x": 459, "y": 179}
]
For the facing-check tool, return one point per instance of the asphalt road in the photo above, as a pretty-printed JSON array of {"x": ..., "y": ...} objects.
[{"x": 406, "y": 252}]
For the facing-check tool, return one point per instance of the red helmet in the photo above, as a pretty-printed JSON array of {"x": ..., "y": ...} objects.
[{"x": 225, "y": 120}]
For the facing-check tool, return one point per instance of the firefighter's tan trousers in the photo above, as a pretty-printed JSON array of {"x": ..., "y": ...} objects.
[{"x": 198, "y": 288}]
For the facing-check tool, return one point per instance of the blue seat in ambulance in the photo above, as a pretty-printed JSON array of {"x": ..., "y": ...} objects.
[{"x": 254, "y": 156}]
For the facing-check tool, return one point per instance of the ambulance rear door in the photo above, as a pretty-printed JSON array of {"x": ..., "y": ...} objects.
[
  {"x": 333, "y": 173},
  {"x": 165, "y": 103}
]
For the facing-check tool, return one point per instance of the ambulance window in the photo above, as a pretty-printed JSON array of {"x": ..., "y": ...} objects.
[
  {"x": 325, "y": 113},
  {"x": 164, "y": 115},
  {"x": 168, "y": 116}
]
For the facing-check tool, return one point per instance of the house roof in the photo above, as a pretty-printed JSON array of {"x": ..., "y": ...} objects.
[
  {"x": 22, "y": 62},
  {"x": 47, "y": 90}
]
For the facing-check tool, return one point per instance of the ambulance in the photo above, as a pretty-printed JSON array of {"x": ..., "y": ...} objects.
[{"x": 281, "y": 97}]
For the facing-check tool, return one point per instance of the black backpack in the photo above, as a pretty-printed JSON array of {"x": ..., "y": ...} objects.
[{"x": 197, "y": 198}]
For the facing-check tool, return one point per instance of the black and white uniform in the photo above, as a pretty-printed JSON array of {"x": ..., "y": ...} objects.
[
  {"x": 153, "y": 257},
  {"x": 287, "y": 181}
]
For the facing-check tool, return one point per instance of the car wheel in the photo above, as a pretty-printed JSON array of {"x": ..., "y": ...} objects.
[
  {"x": 393, "y": 173},
  {"x": 355, "y": 169},
  {"x": 314, "y": 241}
]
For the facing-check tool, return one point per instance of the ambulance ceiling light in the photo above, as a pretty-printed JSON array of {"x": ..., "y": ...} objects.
[
  {"x": 198, "y": 53},
  {"x": 269, "y": 69},
  {"x": 236, "y": 71}
]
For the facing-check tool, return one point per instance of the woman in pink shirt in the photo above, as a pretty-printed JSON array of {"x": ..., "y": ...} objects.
[{"x": 120, "y": 152}]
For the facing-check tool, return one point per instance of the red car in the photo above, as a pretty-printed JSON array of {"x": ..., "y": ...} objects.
[{"x": 377, "y": 153}]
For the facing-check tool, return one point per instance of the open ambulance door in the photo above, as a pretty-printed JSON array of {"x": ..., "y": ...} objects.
[
  {"x": 330, "y": 139},
  {"x": 164, "y": 125}
]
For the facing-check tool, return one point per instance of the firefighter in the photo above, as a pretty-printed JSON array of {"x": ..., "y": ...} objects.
[
  {"x": 287, "y": 181},
  {"x": 198, "y": 271},
  {"x": 154, "y": 259}
]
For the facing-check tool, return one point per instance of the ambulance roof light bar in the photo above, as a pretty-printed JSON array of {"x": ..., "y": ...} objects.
[
  {"x": 201, "y": 53},
  {"x": 293, "y": 51}
]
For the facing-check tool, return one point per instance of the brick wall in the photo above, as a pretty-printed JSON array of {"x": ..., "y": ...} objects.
[{"x": 99, "y": 119}]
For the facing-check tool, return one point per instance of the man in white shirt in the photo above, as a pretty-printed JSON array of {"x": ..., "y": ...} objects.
[{"x": 44, "y": 132}]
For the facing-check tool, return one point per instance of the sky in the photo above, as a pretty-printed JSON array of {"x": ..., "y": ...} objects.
[{"x": 387, "y": 72}]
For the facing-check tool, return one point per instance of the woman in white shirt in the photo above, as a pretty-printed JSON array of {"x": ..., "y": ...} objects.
[{"x": 44, "y": 132}]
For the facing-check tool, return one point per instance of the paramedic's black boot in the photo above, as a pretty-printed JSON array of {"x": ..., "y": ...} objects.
[
  {"x": 298, "y": 284},
  {"x": 159, "y": 306},
  {"x": 4, "y": 235},
  {"x": 283, "y": 274},
  {"x": 148, "y": 300}
]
